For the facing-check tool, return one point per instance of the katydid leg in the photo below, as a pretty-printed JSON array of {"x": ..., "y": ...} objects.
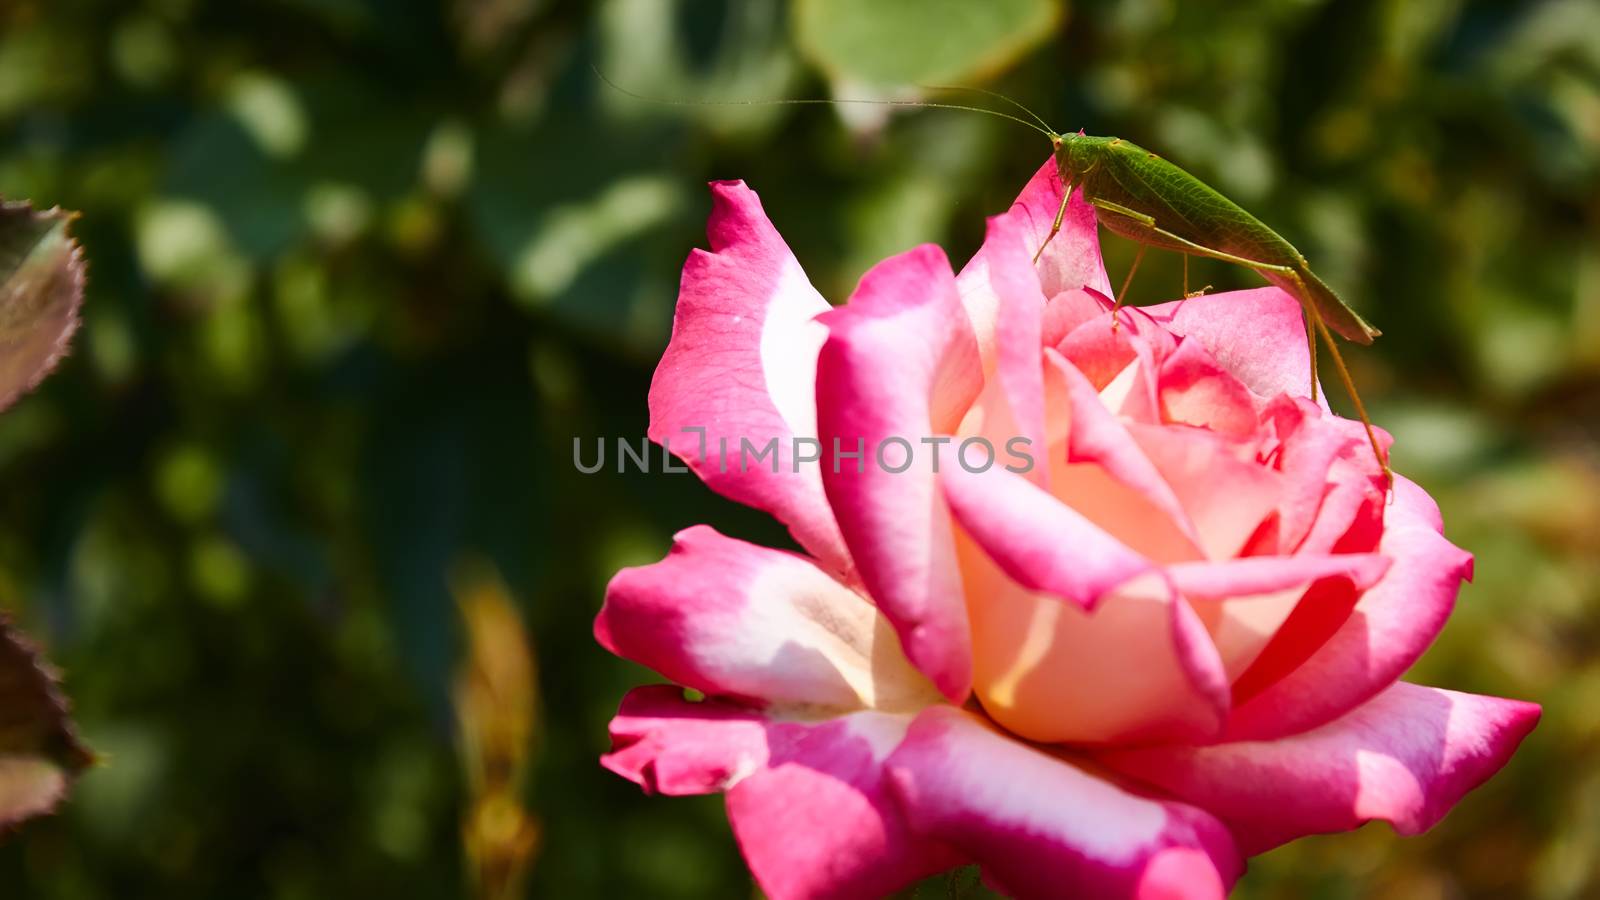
[
  {"x": 1116, "y": 308},
  {"x": 1061, "y": 215},
  {"x": 1311, "y": 346},
  {"x": 1350, "y": 388}
]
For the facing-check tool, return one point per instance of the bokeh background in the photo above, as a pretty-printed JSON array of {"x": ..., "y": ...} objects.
[{"x": 363, "y": 269}]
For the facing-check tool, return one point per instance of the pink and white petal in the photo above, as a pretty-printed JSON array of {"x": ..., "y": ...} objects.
[
  {"x": 741, "y": 366},
  {"x": 901, "y": 363},
  {"x": 1223, "y": 491},
  {"x": 1352, "y": 513},
  {"x": 821, "y": 820},
  {"x": 1244, "y": 602},
  {"x": 1043, "y": 827},
  {"x": 1259, "y": 335},
  {"x": 1104, "y": 354},
  {"x": 1140, "y": 667},
  {"x": 1320, "y": 612},
  {"x": 1266, "y": 574},
  {"x": 733, "y": 619},
  {"x": 1308, "y": 678},
  {"x": 1309, "y": 443},
  {"x": 1039, "y": 542},
  {"x": 1065, "y": 312},
  {"x": 668, "y": 745},
  {"x": 1097, "y": 437},
  {"x": 1406, "y": 756},
  {"x": 1012, "y": 404},
  {"x": 1350, "y": 519},
  {"x": 807, "y": 800},
  {"x": 1196, "y": 390},
  {"x": 1072, "y": 258},
  {"x": 1118, "y": 509}
]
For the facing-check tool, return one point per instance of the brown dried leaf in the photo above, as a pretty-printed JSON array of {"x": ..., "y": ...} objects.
[
  {"x": 39, "y": 747},
  {"x": 41, "y": 287}
]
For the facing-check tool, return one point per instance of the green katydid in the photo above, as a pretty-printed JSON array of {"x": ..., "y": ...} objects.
[
  {"x": 1143, "y": 197},
  {"x": 1140, "y": 196}
]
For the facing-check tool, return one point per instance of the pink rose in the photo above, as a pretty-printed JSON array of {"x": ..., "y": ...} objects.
[{"x": 1171, "y": 643}]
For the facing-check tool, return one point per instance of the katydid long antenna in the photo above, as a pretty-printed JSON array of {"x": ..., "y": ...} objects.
[
  {"x": 995, "y": 94},
  {"x": 1042, "y": 128}
]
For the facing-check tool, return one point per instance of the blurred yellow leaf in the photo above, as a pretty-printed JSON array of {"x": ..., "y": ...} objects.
[{"x": 495, "y": 697}]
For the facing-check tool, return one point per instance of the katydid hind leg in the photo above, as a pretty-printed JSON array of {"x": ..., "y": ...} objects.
[
  {"x": 1333, "y": 310},
  {"x": 1143, "y": 229},
  {"x": 1355, "y": 398},
  {"x": 1311, "y": 346},
  {"x": 1315, "y": 326}
]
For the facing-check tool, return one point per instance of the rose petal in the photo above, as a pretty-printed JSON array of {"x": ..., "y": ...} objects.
[
  {"x": 1244, "y": 602},
  {"x": 1098, "y": 437},
  {"x": 1072, "y": 258},
  {"x": 1352, "y": 512},
  {"x": 1140, "y": 667},
  {"x": 821, "y": 820},
  {"x": 1265, "y": 574},
  {"x": 1013, "y": 398},
  {"x": 1307, "y": 678},
  {"x": 1406, "y": 756},
  {"x": 807, "y": 800},
  {"x": 670, "y": 746},
  {"x": 1196, "y": 390},
  {"x": 1039, "y": 542},
  {"x": 1224, "y": 496},
  {"x": 1042, "y": 827},
  {"x": 900, "y": 363},
  {"x": 1259, "y": 335},
  {"x": 741, "y": 365},
  {"x": 1309, "y": 442},
  {"x": 1104, "y": 354},
  {"x": 1065, "y": 312},
  {"x": 733, "y": 619}
]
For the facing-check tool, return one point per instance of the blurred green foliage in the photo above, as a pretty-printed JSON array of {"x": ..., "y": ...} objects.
[
  {"x": 895, "y": 43},
  {"x": 362, "y": 269}
]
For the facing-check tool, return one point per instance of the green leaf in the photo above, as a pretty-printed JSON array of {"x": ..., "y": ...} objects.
[
  {"x": 41, "y": 287},
  {"x": 39, "y": 747},
  {"x": 908, "y": 42}
]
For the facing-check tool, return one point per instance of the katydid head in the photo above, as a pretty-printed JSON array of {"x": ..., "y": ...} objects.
[{"x": 1078, "y": 155}]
